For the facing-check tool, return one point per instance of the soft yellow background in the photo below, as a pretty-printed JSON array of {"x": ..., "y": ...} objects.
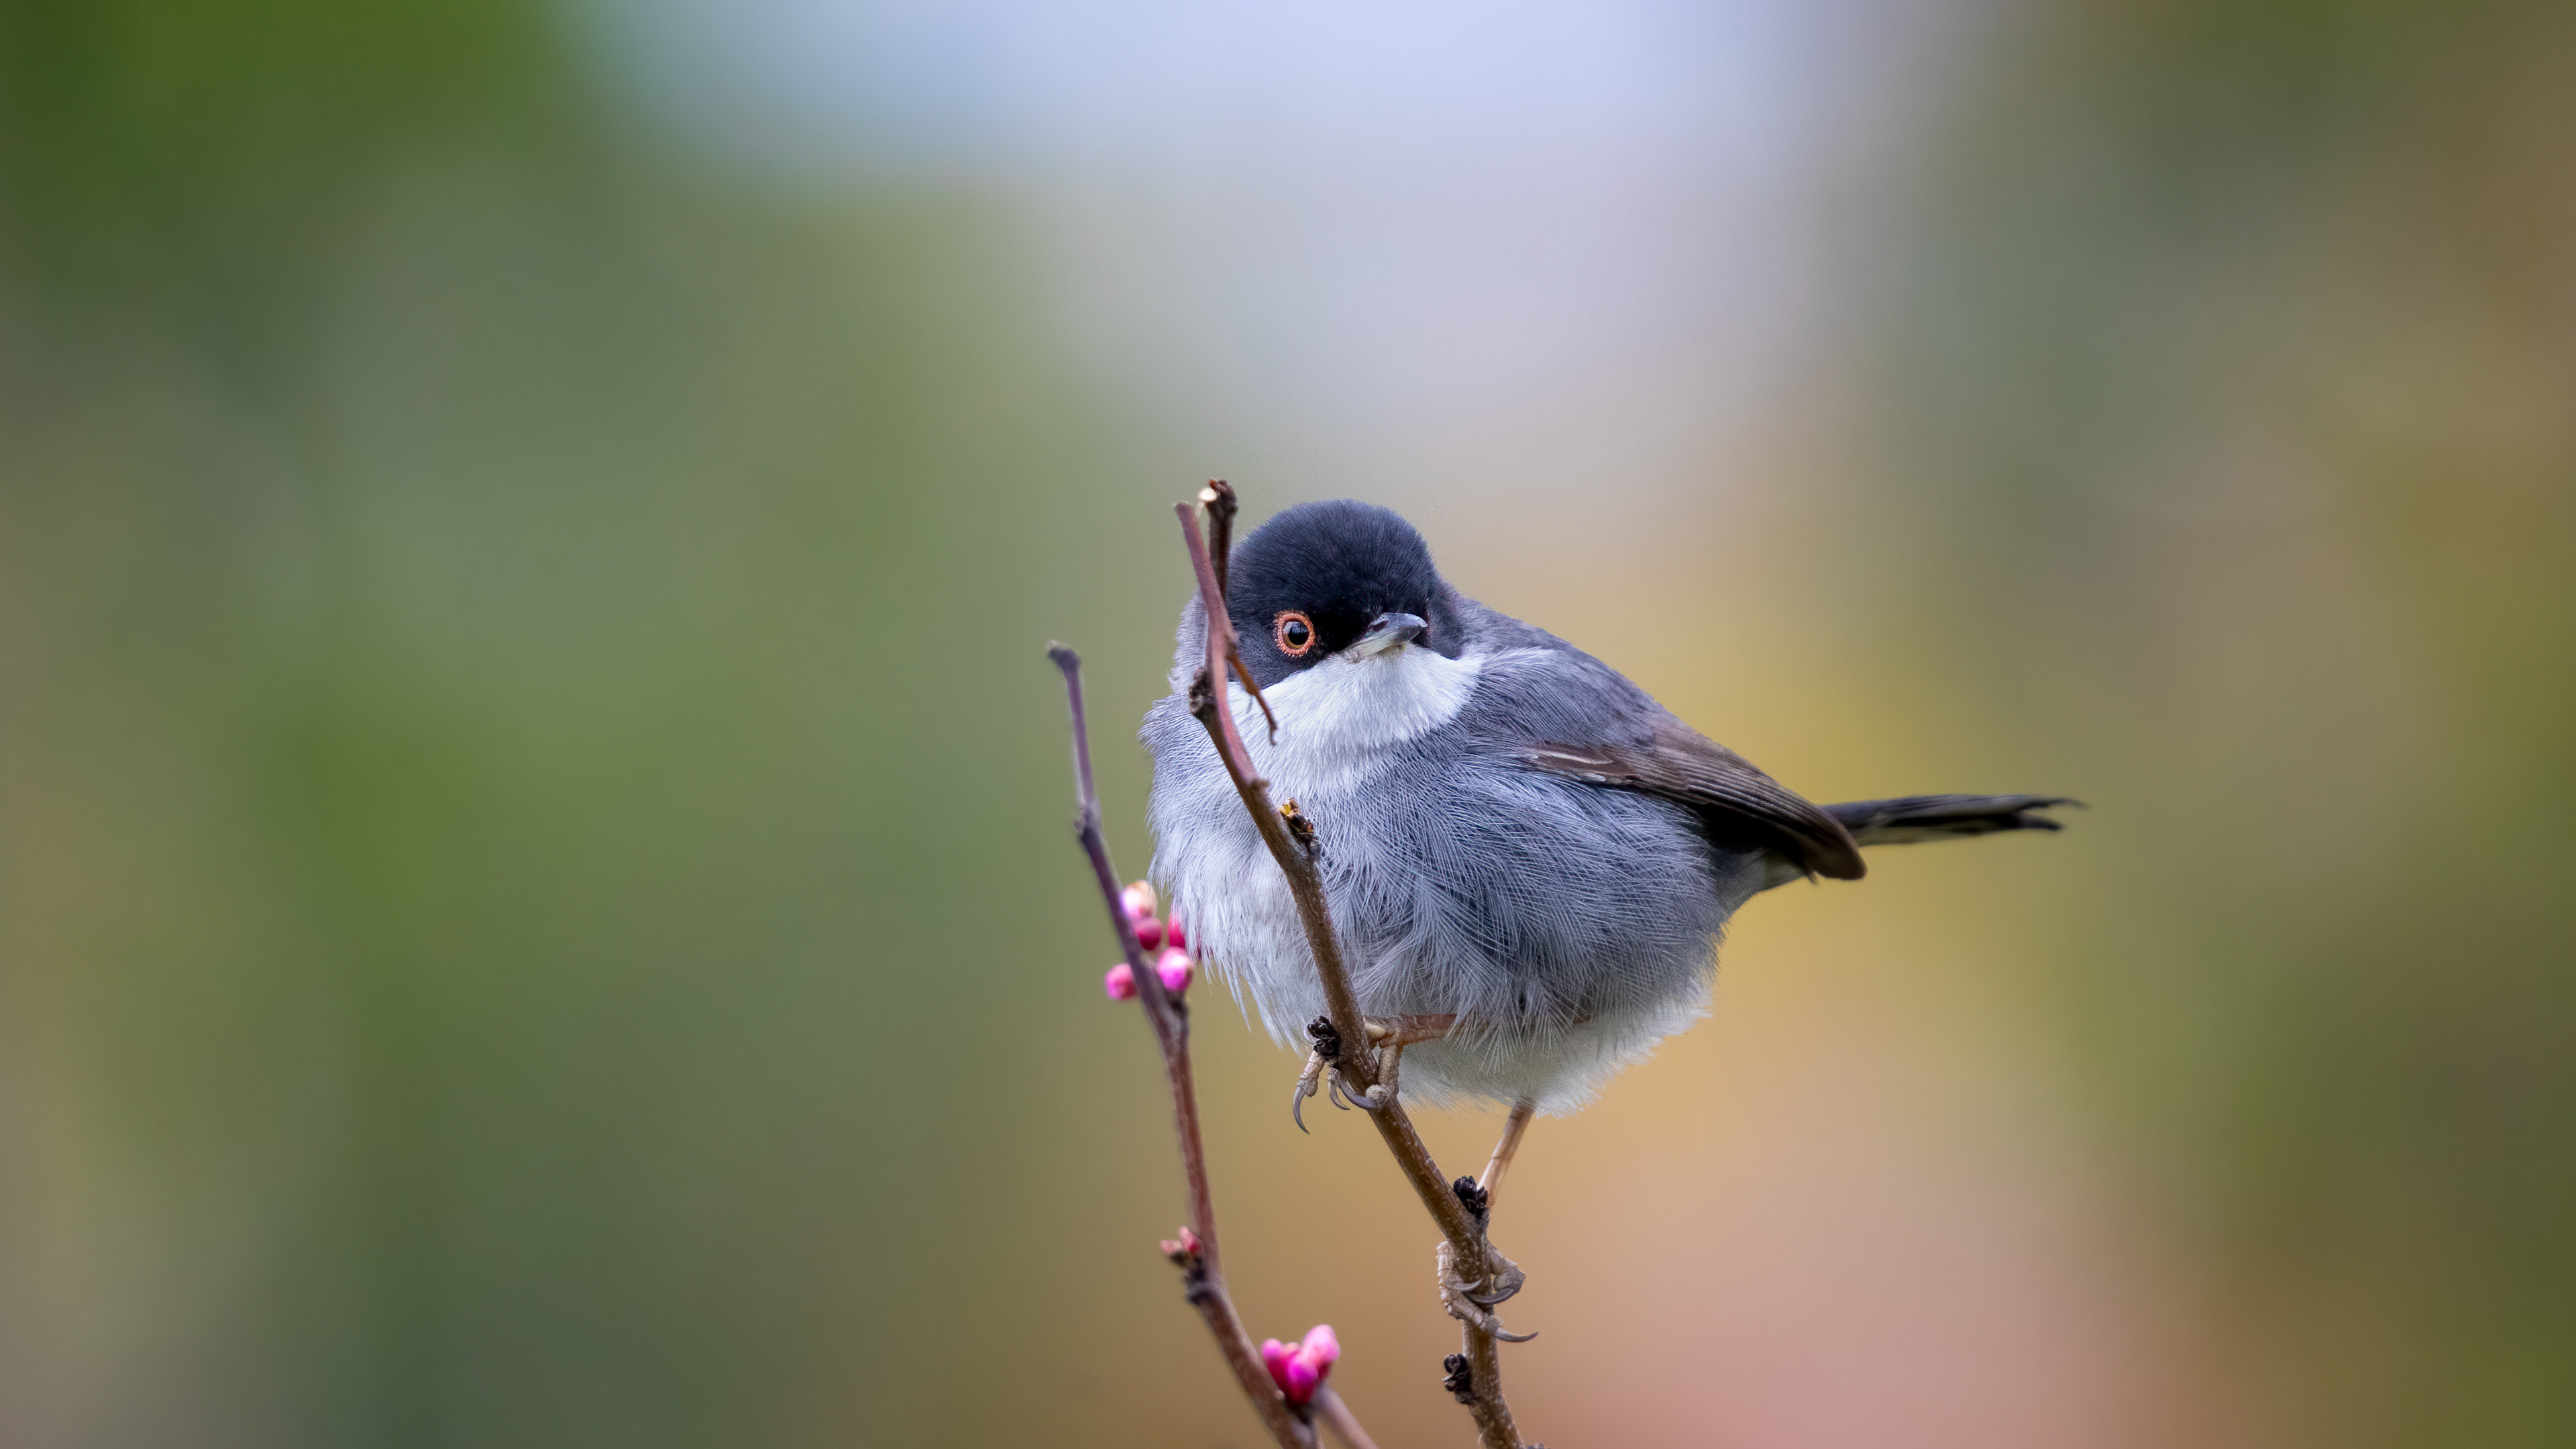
[{"x": 535, "y": 905}]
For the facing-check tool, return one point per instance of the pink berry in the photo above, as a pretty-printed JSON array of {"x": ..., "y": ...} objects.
[
  {"x": 1120, "y": 983},
  {"x": 1149, "y": 933},
  {"x": 1174, "y": 967}
]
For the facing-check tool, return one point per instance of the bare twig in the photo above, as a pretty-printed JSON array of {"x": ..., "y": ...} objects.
[
  {"x": 1476, "y": 1375},
  {"x": 1218, "y": 497},
  {"x": 1221, "y": 508},
  {"x": 1202, "y": 1268},
  {"x": 1338, "y": 1418}
]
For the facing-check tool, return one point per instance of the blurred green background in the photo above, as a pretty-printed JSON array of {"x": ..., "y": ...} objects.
[{"x": 535, "y": 904}]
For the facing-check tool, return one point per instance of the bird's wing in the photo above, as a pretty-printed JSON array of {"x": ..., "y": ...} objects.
[
  {"x": 1741, "y": 805},
  {"x": 1560, "y": 711}
]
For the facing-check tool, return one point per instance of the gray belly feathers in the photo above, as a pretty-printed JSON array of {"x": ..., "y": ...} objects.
[{"x": 1569, "y": 927}]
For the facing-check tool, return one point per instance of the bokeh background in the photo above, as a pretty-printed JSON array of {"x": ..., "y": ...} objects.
[{"x": 535, "y": 900}]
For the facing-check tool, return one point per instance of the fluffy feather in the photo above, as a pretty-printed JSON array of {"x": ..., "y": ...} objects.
[{"x": 1569, "y": 927}]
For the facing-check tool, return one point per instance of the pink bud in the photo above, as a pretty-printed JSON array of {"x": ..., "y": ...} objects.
[
  {"x": 1299, "y": 1368},
  {"x": 1183, "y": 1248},
  {"x": 1149, "y": 933},
  {"x": 1138, "y": 900},
  {"x": 1120, "y": 983},
  {"x": 1174, "y": 967},
  {"x": 1301, "y": 1380},
  {"x": 1173, "y": 933}
]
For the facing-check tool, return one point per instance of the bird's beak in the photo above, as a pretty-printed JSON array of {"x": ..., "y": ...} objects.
[{"x": 1387, "y": 631}]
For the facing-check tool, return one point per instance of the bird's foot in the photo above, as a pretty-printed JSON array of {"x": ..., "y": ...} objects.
[
  {"x": 1471, "y": 1301},
  {"x": 1388, "y": 1036},
  {"x": 1503, "y": 1279},
  {"x": 1323, "y": 1076},
  {"x": 1390, "y": 1060}
]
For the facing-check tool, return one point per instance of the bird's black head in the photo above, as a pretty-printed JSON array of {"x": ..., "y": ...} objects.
[{"x": 1321, "y": 577}]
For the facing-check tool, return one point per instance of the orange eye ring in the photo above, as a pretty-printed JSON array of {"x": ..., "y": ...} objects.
[{"x": 1294, "y": 633}]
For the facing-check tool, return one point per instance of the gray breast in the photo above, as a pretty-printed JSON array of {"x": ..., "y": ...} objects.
[{"x": 1569, "y": 926}]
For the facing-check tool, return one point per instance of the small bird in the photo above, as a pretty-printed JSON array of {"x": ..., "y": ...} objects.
[{"x": 1519, "y": 844}]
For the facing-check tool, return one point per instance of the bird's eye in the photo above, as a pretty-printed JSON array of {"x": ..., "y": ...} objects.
[{"x": 1295, "y": 633}]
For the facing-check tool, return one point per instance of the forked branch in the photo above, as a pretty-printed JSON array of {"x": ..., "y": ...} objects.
[
  {"x": 1202, "y": 1269},
  {"x": 1475, "y": 1376}
]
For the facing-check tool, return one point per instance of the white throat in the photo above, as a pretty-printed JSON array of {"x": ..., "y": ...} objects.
[{"x": 1340, "y": 720}]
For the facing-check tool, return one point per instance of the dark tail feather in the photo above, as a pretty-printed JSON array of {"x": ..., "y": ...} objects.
[{"x": 1941, "y": 817}]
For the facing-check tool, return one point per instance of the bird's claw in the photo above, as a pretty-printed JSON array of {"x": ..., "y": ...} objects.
[
  {"x": 1501, "y": 1283},
  {"x": 1320, "y": 1077},
  {"x": 1468, "y": 1302},
  {"x": 1306, "y": 1086}
]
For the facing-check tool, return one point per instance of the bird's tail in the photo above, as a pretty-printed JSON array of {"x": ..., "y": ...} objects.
[{"x": 1941, "y": 817}]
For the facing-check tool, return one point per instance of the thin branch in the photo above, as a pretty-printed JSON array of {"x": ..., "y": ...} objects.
[
  {"x": 1480, "y": 1365},
  {"x": 1337, "y": 1417},
  {"x": 1202, "y": 1267},
  {"x": 1225, "y": 647},
  {"x": 1221, "y": 508}
]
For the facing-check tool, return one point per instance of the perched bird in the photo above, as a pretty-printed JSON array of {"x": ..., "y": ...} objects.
[{"x": 1518, "y": 843}]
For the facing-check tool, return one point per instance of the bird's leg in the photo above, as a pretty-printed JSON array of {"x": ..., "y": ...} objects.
[
  {"x": 1471, "y": 1301},
  {"x": 1502, "y": 1277},
  {"x": 1390, "y": 1063},
  {"x": 1492, "y": 1181},
  {"x": 1407, "y": 1030},
  {"x": 1390, "y": 1044},
  {"x": 1392, "y": 1034}
]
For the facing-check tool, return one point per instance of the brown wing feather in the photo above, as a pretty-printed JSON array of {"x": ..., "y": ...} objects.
[{"x": 1735, "y": 798}]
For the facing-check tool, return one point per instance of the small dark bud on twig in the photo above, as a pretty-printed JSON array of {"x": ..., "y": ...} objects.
[
  {"x": 1300, "y": 828},
  {"x": 1328, "y": 1042},
  {"x": 1460, "y": 1381},
  {"x": 1474, "y": 1199},
  {"x": 1190, "y": 1256},
  {"x": 1195, "y": 1288}
]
